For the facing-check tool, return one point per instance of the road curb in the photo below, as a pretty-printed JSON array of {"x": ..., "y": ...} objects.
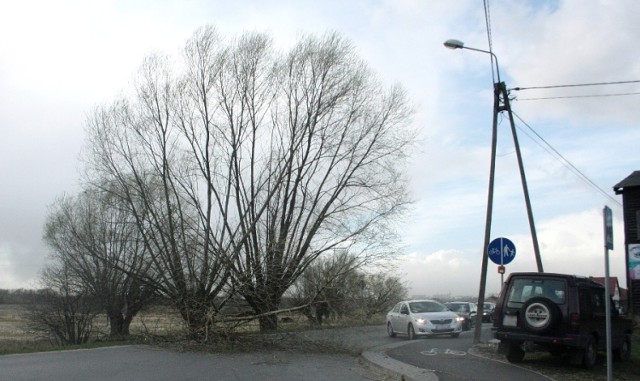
[{"x": 378, "y": 358}]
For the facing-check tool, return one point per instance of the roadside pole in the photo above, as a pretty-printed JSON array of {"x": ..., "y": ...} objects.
[
  {"x": 608, "y": 245},
  {"x": 500, "y": 103}
]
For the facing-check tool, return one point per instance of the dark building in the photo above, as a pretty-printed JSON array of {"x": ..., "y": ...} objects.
[
  {"x": 629, "y": 188},
  {"x": 618, "y": 294}
]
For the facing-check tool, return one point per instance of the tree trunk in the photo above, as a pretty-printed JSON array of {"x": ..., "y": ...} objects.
[
  {"x": 268, "y": 323},
  {"x": 309, "y": 314},
  {"x": 198, "y": 313},
  {"x": 322, "y": 311},
  {"x": 116, "y": 322},
  {"x": 126, "y": 323}
]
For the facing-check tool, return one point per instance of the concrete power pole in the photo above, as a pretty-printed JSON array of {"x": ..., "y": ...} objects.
[{"x": 500, "y": 103}]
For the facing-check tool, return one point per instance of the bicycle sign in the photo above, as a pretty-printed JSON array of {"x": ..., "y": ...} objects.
[
  {"x": 501, "y": 251},
  {"x": 435, "y": 351}
]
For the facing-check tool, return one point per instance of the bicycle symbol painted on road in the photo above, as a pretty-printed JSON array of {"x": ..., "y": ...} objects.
[{"x": 450, "y": 352}]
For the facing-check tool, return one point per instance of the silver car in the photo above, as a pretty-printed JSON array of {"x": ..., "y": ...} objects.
[{"x": 423, "y": 318}]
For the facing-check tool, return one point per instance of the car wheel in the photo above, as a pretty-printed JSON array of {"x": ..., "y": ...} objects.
[
  {"x": 411, "y": 333},
  {"x": 455, "y": 335},
  {"x": 539, "y": 315},
  {"x": 515, "y": 353},
  {"x": 624, "y": 352},
  {"x": 390, "y": 330},
  {"x": 589, "y": 353}
]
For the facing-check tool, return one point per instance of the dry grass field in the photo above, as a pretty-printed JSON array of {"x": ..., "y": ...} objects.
[
  {"x": 160, "y": 325},
  {"x": 16, "y": 338}
]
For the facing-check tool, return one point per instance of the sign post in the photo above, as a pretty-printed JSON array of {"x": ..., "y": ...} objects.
[
  {"x": 608, "y": 245},
  {"x": 501, "y": 251}
]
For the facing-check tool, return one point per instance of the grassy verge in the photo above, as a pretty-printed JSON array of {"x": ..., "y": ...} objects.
[
  {"x": 33, "y": 346},
  {"x": 558, "y": 367}
]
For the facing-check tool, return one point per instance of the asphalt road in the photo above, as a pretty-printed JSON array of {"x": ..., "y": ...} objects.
[
  {"x": 446, "y": 359},
  {"x": 451, "y": 359},
  {"x": 149, "y": 363}
]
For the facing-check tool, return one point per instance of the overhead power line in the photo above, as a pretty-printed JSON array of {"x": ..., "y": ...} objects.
[
  {"x": 564, "y": 161},
  {"x": 578, "y": 96},
  {"x": 575, "y": 85},
  {"x": 487, "y": 20}
]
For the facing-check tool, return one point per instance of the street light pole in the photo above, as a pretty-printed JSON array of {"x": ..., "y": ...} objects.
[{"x": 500, "y": 103}]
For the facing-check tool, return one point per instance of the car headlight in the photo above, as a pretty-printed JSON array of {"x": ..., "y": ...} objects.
[
  {"x": 459, "y": 318},
  {"x": 421, "y": 320}
]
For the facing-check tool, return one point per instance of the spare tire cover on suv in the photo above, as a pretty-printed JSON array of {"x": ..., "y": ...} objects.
[{"x": 539, "y": 315}]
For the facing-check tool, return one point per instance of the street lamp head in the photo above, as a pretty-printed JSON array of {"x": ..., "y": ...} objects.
[
  {"x": 454, "y": 44},
  {"x": 457, "y": 44}
]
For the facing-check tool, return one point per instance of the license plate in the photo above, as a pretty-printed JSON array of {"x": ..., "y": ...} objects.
[
  {"x": 440, "y": 327},
  {"x": 510, "y": 321}
]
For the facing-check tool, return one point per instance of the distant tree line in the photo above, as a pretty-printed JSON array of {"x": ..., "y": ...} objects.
[
  {"x": 16, "y": 296},
  {"x": 238, "y": 172}
]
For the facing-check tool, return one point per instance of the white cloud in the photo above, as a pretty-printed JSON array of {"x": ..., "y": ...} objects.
[{"x": 571, "y": 244}]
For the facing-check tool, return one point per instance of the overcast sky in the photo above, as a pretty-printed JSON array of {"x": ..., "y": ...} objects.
[{"x": 59, "y": 59}]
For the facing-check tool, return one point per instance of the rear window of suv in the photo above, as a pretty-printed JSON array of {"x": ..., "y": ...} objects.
[{"x": 523, "y": 289}]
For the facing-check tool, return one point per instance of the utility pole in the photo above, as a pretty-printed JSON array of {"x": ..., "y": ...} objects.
[
  {"x": 506, "y": 106},
  {"x": 500, "y": 103}
]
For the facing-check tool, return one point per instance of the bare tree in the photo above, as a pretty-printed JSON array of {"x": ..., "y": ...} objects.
[
  {"x": 338, "y": 286},
  {"x": 63, "y": 311},
  {"x": 337, "y": 137},
  {"x": 381, "y": 292},
  {"x": 94, "y": 238},
  {"x": 143, "y": 149},
  {"x": 259, "y": 163},
  {"x": 329, "y": 286}
]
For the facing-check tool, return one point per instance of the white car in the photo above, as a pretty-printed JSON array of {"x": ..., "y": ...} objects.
[{"x": 423, "y": 318}]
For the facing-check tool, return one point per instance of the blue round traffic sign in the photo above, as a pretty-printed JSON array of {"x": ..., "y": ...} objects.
[{"x": 501, "y": 251}]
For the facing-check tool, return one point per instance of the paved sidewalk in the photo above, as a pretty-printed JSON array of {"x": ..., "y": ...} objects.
[{"x": 394, "y": 368}]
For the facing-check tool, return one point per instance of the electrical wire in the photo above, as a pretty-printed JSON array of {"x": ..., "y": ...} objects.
[
  {"x": 575, "y": 85},
  {"x": 564, "y": 161},
  {"x": 548, "y": 147},
  {"x": 578, "y": 96},
  {"x": 487, "y": 20}
]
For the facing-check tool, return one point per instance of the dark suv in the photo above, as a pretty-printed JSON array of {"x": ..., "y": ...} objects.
[
  {"x": 466, "y": 311},
  {"x": 558, "y": 313}
]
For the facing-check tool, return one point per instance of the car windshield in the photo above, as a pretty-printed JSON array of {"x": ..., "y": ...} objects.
[
  {"x": 456, "y": 307},
  {"x": 426, "y": 306},
  {"x": 488, "y": 306},
  {"x": 523, "y": 289}
]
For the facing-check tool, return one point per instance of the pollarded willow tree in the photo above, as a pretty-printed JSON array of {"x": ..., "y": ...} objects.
[
  {"x": 261, "y": 162},
  {"x": 94, "y": 240}
]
